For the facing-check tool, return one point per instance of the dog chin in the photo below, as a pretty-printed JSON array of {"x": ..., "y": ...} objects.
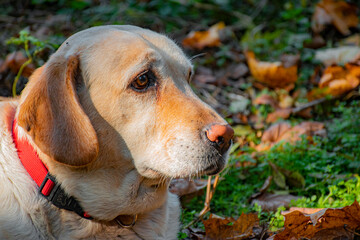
[{"x": 213, "y": 168}]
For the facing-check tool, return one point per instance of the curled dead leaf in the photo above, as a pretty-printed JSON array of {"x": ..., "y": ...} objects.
[
  {"x": 281, "y": 113},
  {"x": 338, "y": 80},
  {"x": 201, "y": 39},
  {"x": 302, "y": 210},
  {"x": 273, "y": 133},
  {"x": 271, "y": 202},
  {"x": 273, "y": 74},
  {"x": 229, "y": 228},
  {"x": 15, "y": 60},
  {"x": 284, "y": 132},
  {"x": 341, "y": 14},
  {"x": 325, "y": 224}
]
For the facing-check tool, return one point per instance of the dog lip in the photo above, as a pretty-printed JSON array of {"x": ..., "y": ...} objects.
[
  {"x": 213, "y": 169},
  {"x": 152, "y": 173}
]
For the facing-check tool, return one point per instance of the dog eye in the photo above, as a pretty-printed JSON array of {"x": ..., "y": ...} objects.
[{"x": 142, "y": 82}]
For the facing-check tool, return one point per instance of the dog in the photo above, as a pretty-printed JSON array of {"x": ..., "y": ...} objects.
[{"x": 90, "y": 146}]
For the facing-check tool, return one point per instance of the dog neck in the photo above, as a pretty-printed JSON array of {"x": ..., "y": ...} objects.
[{"x": 48, "y": 186}]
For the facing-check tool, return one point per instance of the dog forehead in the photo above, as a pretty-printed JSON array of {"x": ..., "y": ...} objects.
[{"x": 119, "y": 37}]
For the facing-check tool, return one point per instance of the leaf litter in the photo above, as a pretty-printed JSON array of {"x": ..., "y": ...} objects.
[{"x": 341, "y": 76}]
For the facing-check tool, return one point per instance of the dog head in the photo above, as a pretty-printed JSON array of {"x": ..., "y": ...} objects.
[{"x": 112, "y": 111}]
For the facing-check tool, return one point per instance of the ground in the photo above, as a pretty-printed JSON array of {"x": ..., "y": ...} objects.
[{"x": 285, "y": 75}]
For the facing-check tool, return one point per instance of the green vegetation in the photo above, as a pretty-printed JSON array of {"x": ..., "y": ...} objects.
[
  {"x": 321, "y": 170},
  {"x": 329, "y": 166}
]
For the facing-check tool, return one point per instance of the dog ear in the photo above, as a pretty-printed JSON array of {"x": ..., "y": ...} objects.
[{"x": 52, "y": 115}]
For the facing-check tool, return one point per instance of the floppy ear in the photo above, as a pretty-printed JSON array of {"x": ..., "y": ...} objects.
[{"x": 52, "y": 115}]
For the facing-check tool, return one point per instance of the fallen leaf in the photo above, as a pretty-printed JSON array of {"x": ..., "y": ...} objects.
[
  {"x": 275, "y": 131},
  {"x": 228, "y": 228},
  {"x": 337, "y": 80},
  {"x": 201, "y": 39},
  {"x": 341, "y": 14},
  {"x": 285, "y": 178},
  {"x": 308, "y": 128},
  {"x": 284, "y": 132},
  {"x": 271, "y": 202},
  {"x": 242, "y": 130},
  {"x": 302, "y": 210},
  {"x": 280, "y": 113},
  {"x": 325, "y": 224},
  {"x": 279, "y": 177},
  {"x": 15, "y": 60},
  {"x": 337, "y": 56},
  {"x": 183, "y": 187},
  {"x": 263, "y": 189},
  {"x": 265, "y": 99},
  {"x": 239, "y": 103},
  {"x": 273, "y": 74}
]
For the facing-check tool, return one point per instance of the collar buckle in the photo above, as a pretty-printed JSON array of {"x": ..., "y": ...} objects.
[{"x": 53, "y": 192}]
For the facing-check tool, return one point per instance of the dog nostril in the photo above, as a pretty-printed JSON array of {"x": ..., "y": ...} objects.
[
  {"x": 220, "y": 140},
  {"x": 220, "y": 134}
]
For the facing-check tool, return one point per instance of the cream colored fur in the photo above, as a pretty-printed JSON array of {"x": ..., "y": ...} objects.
[{"x": 136, "y": 141}]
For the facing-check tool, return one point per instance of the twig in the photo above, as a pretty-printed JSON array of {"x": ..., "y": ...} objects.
[
  {"x": 325, "y": 99},
  {"x": 310, "y": 104},
  {"x": 210, "y": 191}
]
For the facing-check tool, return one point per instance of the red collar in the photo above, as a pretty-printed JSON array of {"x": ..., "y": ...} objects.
[{"x": 48, "y": 186}]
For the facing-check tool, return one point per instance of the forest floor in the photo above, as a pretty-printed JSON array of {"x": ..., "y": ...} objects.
[{"x": 285, "y": 75}]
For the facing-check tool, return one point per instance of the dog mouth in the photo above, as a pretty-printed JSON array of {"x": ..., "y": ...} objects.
[{"x": 213, "y": 169}]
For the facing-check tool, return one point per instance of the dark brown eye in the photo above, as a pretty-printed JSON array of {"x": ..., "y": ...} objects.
[{"x": 142, "y": 82}]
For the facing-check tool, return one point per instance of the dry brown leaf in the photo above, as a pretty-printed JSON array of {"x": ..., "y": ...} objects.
[
  {"x": 15, "y": 60},
  {"x": 271, "y": 202},
  {"x": 183, "y": 187},
  {"x": 263, "y": 189},
  {"x": 266, "y": 99},
  {"x": 338, "y": 13},
  {"x": 338, "y": 80},
  {"x": 273, "y": 133},
  {"x": 281, "y": 113},
  {"x": 202, "y": 39},
  {"x": 284, "y": 132},
  {"x": 228, "y": 228},
  {"x": 302, "y": 210},
  {"x": 325, "y": 224},
  {"x": 273, "y": 74},
  {"x": 294, "y": 133}
]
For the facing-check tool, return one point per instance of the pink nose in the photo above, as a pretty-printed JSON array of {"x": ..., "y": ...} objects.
[{"x": 220, "y": 134}]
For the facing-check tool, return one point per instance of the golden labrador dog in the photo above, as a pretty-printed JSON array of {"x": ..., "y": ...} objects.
[{"x": 88, "y": 150}]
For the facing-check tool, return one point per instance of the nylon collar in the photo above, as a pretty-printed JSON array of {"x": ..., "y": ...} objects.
[{"x": 48, "y": 186}]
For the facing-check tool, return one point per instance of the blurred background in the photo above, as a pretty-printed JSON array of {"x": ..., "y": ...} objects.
[{"x": 285, "y": 74}]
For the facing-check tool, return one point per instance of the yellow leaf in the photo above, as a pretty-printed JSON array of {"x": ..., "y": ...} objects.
[
  {"x": 202, "y": 39},
  {"x": 338, "y": 80},
  {"x": 273, "y": 74}
]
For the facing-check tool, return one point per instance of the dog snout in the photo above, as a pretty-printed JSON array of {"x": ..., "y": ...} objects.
[{"x": 219, "y": 136}]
